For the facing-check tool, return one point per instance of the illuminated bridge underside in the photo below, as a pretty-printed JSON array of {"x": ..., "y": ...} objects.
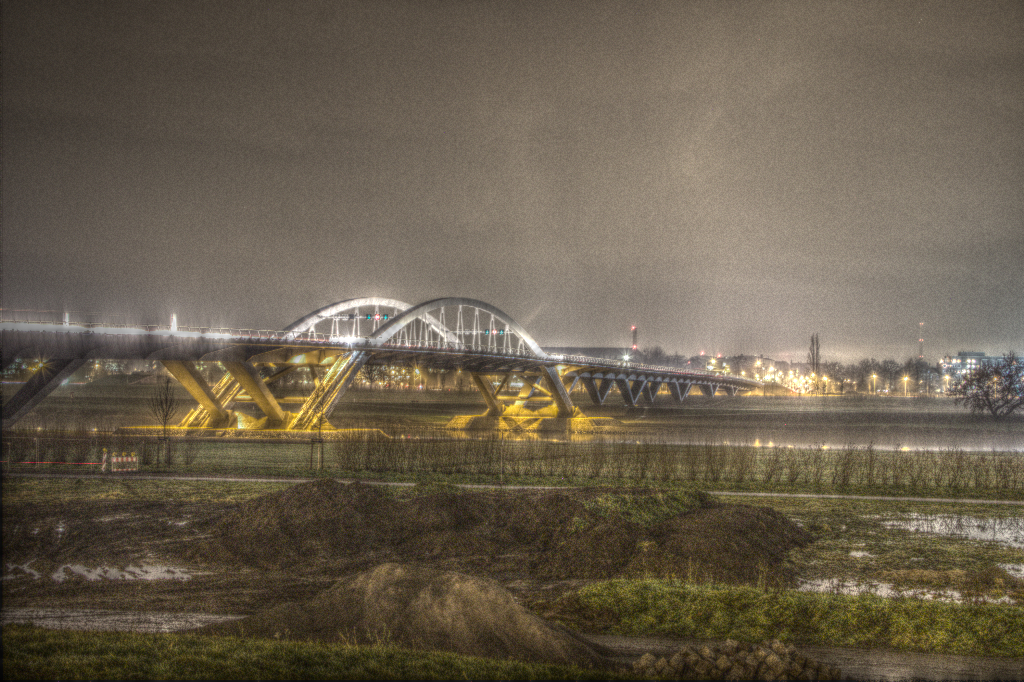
[{"x": 448, "y": 333}]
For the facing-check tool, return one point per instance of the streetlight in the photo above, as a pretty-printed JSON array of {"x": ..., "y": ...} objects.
[
  {"x": 874, "y": 383},
  {"x": 905, "y": 386}
]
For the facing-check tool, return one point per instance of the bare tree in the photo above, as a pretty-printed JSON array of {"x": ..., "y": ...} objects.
[
  {"x": 814, "y": 359},
  {"x": 654, "y": 356},
  {"x": 994, "y": 386},
  {"x": 836, "y": 373},
  {"x": 164, "y": 407},
  {"x": 374, "y": 374},
  {"x": 890, "y": 371}
]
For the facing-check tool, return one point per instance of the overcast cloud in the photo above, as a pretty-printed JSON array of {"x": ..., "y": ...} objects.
[{"x": 731, "y": 177}]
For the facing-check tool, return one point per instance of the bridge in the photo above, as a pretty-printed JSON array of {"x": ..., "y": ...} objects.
[{"x": 335, "y": 343}]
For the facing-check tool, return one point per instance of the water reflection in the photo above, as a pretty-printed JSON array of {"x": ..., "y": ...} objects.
[
  {"x": 1009, "y": 531},
  {"x": 1016, "y": 570},
  {"x": 120, "y": 621},
  {"x": 887, "y": 590},
  {"x": 823, "y": 440},
  {"x": 143, "y": 572}
]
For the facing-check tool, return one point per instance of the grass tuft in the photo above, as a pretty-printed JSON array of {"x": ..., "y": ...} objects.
[
  {"x": 673, "y": 609},
  {"x": 36, "y": 653}
]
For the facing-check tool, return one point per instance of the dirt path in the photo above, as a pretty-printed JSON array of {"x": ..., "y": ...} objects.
[
  {"x": 820, "y": 496},
  {"x": 234, "y": 479}
]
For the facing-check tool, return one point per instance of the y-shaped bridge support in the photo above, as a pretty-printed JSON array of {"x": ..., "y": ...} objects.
[
  {"x": 327, "y": 392},
  {"x": 252, "y": 383},
  {"x": 223, "y": 394},
  {"x": 212, "y": 410},
  {"x": 543, "y": 389}
]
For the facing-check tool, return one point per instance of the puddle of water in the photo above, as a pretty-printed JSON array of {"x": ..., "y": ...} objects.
[
  {"x": 1008, "y": 531},
  {"x": 839, "y": 586},
  {"x": 118, "y": 517},
  {"x": 1016, "y": 570},
  {"x": 121, "y": 621},
  {"x": 144, "y": 572},
  {"x": 24, "y": 568}
]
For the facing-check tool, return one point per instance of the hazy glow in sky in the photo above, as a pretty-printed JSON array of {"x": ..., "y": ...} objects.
[{"x": 732, "y": 177}]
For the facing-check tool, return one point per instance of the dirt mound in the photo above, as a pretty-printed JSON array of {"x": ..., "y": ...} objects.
[
  {"x": 306, "y": 524},
  {"x": 422, "y": 608},
  {"x": 729, "y": 543},
  {"x": 549, "y": 535}
]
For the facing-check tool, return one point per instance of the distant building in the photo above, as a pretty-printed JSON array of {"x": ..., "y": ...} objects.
[{"x": 965, "y": 361}]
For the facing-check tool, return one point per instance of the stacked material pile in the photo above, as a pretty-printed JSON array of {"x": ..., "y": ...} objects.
[{"x": 770, "y": 660}]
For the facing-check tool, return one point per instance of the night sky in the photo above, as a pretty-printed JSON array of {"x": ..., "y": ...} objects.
[{"x": 732, "y": 177}]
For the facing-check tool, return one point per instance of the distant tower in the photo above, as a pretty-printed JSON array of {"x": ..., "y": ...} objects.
[
  {"x": 920, "y": 342},
  {"x": 635, "y": 333}
]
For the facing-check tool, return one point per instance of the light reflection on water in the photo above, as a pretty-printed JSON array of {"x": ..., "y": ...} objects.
[{"x": 716, "y": 437}]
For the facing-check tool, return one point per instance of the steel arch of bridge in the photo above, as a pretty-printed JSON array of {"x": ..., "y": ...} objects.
[
  {"x": 254, "y": 360},
  {"x": 388, "y": 332},
  {"x": 332, "y": 311}
]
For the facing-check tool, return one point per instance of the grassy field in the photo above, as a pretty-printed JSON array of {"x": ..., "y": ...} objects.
[
  {"x": 748, "y": 614},
  {"x": 37, "y": 654},
  {"x": 67, "y": 491},
  {"x": 367, "y": 454}
]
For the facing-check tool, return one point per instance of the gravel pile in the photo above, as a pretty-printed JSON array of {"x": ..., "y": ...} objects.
[{"x": 769, "y": 660}]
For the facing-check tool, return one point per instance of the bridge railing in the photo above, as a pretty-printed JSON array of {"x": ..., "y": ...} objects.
[{"x": 640, "y": 366}]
